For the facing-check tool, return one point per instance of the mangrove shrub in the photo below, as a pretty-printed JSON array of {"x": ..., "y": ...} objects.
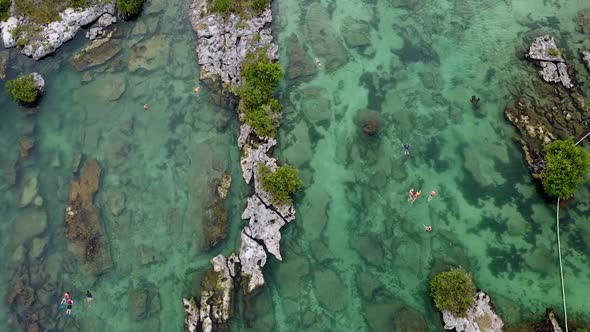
[
  {"x": 453, "y": 291},
  {"x": 260, "y": 78},
  {"x": 281, "y": 184},
  {"x": 566, "y": 167},
  {"x": 4, "y": 9},
  {"x": 23, "y": 90},
  {"x": 129, "y": 8},
  {"x": 223, "y": 6}
]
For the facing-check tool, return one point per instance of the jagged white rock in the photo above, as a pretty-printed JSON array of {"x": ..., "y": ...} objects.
[
  {"x": 191, "y": 316},
  {"x": 539, "y": 49},
  {"x": 225, "y": 282},
  {"x": 564, "y": 76},
  {"x": 252, "y": 258},
  {"x": 549, "y": 72},
  {"x": 586, "y": 58},
  {"x": 265, "y": 224},
  {"x": 480, "y": 311},
  {"x": 252, "y": 156},
  {"x": 55, "y": 34},
  {"x": 224, "y": 42},
  {"x": 39, "y": 81},
  {"x": 206, "y": 323}
]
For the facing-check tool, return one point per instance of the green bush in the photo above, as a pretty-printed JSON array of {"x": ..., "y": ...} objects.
[
  {"x": 258, "y": 6},
  {"x": 223, "y": 6},
  {"x": 566, "y": 167},
  {"x": 553, "y": 52},
  {"x": 260, "y": 78},
  {"x": 23, "y": 90},
  {"x": 4, "y": 10},
  {"x": 78, "y": 3},
  {"x": 129, "y": 8},
  {"x": 453, "y": 291},
  {"x": 281, "y": 184}
]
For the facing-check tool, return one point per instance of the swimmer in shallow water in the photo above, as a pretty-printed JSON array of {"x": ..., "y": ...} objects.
[
  {"x": 197, "y": 89},
  {"x": 318, "y": 63},
  {"x": 432, "y": 194}
]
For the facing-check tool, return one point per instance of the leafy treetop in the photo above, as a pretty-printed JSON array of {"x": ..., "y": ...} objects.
[
  {"x": 23, "y": 90},
  {"x": 281, "y": 184},
  {"x": 566, "y": 167},
  {"x": 453, "y": 291}
]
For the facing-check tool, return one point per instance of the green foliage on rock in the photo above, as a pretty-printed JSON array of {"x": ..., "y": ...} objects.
[
  {"x": 23, "y": 90},
  {"x": 258, "y": 6},
  {"x": 4, "y": 9},
  {"x": 260, "y": 78},
  {"x": 553, "y": 52},
  {"x": 281, "y": 184},
  {"x": 129, "y": 8},
  {"x": 78, "y": 3},
  {"x": 453, "y": 291},
  {"x": 223, "y": 6},
  {"x": 566, "y": 168}
]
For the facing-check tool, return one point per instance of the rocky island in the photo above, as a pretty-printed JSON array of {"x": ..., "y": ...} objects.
[{"x": 225, "y": 45}]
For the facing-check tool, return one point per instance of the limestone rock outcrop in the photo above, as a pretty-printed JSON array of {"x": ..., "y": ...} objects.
[
  {"x": 224, "y": 42},
  {"x": 552, "y": 63},
  {"x": 481, "y": 317},
  {"x": 51, "y": 36}
]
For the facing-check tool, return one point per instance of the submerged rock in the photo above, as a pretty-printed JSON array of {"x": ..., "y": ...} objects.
[
  {"x": 356, "y": 32},
  {"x": 149, "y": 55},
  {"x": 26, "y": 144},
  {"x": 142, "y": 303},
  {"x": 586, "y": 58},
  {"x": 324, "y": 41},
  {"x": 481, "y": 317},
  {"x": 224, "y": 185},
  {"x": 301, "y": 64},
  {"x": 29, "y": 192},
  {"x": 583, "y": 20},
  {"x": 97, "y": 53},
  {"x": 28, "y": 225}
]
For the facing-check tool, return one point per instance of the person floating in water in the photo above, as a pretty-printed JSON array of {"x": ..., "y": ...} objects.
[
  {"x": 411, "y": 194},
  {"x": 69, "y": 308},
  {"x": 145, "y": 107},
  {"x": 432, "y": 194},
  {"x": 197, "y": 89},
  {"x": 428, "y": 229},
  {"x": 64, "y": 299},
  {"x": 416, "y": 196},
  {"x": 318, "y": 63},
  {"x": 407, "y": 149},
  {"x": 88, "y": 298},
  {"x": 475, "y": 101}
]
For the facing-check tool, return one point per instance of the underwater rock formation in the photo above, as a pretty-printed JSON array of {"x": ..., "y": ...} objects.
[
  {"x": 83, "y": 228},
  {"x": 51, "y": 36},
  {"x": 542, "y": 112},
  {"x": 324, "y": 41},
  {"x": 224, "y": 41},
  {"x": 480, "y": 317},
  {"x": 583, "y": 20},
  {"x": 586, "y": 58},
  {"x": 554, "y": 69},
  {"x": 97, "y": 53},
  {"x": 301, "y": 64}
]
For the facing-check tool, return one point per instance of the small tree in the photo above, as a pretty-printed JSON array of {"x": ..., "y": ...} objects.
[
  {"x": 453, "y": 291},
  {"x": 566, "y": 168},
  {"x": 23, "y": 90},
  {"x": 281, "y": 184},
  {"x": 129, "y": 8}
]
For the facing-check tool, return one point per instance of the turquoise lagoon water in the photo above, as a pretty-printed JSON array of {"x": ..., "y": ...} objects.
[{"x": 357, "y": 257}]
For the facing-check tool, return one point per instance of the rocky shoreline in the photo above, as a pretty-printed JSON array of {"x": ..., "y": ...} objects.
[
  {"x": 542, "y": 111},
  {"x": 222, "y": 46},
  {"x": 481, "y": 317},
  {"x": 39, "y": 40}
]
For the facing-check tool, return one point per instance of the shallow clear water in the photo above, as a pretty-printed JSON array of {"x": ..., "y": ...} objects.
[{"x": 357, "y": 255}]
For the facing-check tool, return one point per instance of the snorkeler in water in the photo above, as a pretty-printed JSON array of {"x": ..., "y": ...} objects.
[{"x": 407, "y": 149}]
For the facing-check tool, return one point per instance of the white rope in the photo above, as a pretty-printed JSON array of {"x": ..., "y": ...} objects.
[
  {"x": 561, "y": 269},
  {"x": 559, "y": 252}
]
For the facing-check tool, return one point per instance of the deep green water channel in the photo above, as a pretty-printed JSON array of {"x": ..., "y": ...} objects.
[{"x": 357, "y": 257}]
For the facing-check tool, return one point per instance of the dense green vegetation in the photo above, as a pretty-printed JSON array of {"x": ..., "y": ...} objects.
[
  {"x": 260, "y": 78},
  {"x": 78, "y": 3},
  {"x": 4, "y": 10},
  {"x": 281, "y": 184},
  {"x": 23, "y": 90},
  {"x": 241, "y": 7},
  {"x": 567, "y": 167},
  {"x": 453, "y": 291},
  {"x": 129, "y": 8}
]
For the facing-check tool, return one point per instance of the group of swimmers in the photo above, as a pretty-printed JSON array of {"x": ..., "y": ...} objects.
[
  {"x": 68, "y": 302},
  {"x": 413, "y": 196}
]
